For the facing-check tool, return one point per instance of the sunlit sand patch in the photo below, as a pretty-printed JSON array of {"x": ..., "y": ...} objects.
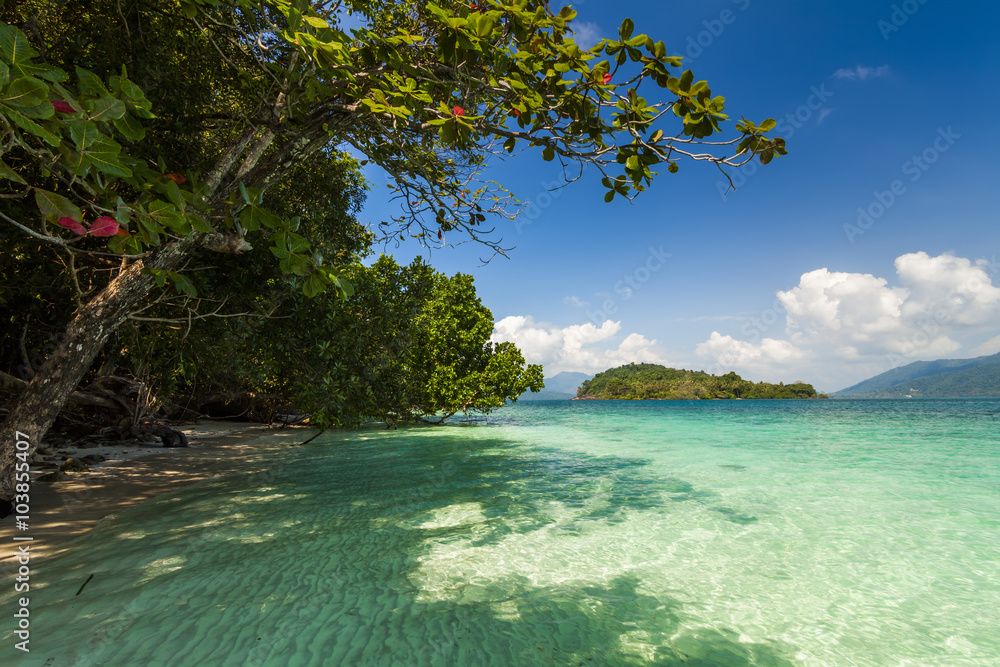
[
  {"x": 133, "y": 535},
  {"x": 458, "y": 569},
  {"x": 454, "y": 515},
  {"x": 162, "y": 566},
  {"x": 255, "y": 539}
]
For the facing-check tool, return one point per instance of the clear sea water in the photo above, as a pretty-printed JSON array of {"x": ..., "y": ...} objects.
[{"x": 569, "y": 533}]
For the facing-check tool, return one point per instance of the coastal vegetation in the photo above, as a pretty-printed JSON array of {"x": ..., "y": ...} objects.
[
  {"x": 155, "y": 153},
  {"x": 653, "y": 381}
]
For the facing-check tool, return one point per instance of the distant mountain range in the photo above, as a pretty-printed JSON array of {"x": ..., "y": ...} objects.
[
  {"x": 933, "y": 379},
  {"x": 559, "y": 387}
]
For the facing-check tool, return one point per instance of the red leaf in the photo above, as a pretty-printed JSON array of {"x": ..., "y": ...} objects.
[
  {"x": 607, "y": 78},
  {"x": 121, "y": 232},
  {"x": 73, "y": 226},
  {"x": 516, "y": 112},
  {"x": 459, "y": 111},
  {"x": 61, "y": 106},
  {"x": 177, "y": 178},
  {"x": 440, "y": 235},
  {"x": 104, "y": 226}
]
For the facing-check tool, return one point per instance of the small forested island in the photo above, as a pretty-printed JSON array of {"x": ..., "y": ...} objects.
[{"x": 656, "y": 382}]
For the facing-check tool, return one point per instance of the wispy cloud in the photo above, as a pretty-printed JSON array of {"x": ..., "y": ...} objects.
[
  {"x": 823, "y": 113},
  {"x": 586, "y": 34},
  {"x": 861, "y": 72},
  {"x": 575, "y": 301}
]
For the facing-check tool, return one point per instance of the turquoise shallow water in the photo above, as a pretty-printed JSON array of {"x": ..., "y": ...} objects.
[{"x": 620, "y": 533}]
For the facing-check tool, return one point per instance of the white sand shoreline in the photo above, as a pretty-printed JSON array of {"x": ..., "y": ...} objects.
[{"x": 62, "y": 511}]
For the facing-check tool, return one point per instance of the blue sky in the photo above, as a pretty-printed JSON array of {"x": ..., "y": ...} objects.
[{"x": 777, "y": 280}]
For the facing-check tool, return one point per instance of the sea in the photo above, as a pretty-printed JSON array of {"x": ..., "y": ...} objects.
[{"x": 811, "y": 532}]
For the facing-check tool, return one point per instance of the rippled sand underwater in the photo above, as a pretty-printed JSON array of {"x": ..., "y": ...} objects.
[{"x": 652, "y": 533}]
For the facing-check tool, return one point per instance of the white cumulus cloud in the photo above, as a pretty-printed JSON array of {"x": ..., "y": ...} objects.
[
  {"x": 728, "y": 353},
  {"x": 580, "y": 347},
  {"x": 937, "y": 305}
]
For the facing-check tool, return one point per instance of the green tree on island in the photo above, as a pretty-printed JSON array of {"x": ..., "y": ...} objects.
[{"x": 111, "y": 165}]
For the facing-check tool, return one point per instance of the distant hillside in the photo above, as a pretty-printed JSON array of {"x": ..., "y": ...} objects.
[
  {"x": 933, "y": 379},
  {"x": 652, "y": 381},
  {"x": 559, "y": 387}
]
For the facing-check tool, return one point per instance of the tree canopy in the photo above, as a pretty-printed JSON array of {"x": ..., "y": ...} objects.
[{"x": 137, "y": 134}]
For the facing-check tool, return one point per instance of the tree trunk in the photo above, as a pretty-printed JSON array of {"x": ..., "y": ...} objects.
[
  {"x": 48, "y": 391},
  {"x": 53, "y": 383}
]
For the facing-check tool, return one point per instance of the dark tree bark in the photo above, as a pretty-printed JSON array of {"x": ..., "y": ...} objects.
[{"x": 53, "y": 383}]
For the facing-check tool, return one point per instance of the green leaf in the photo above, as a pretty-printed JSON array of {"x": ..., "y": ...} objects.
[
  {"x": 609, "y": 195},
  {"x": 768, "y": 124},
  {"x": 549, "y": 154},
  {"x": 25, "y": 92},
  {"x": 312, "y": 286},
  {"x": 632, "y": 163},
  {"x": 10, "y": 174},
  {"x": 166, "y": 215},
  {"x": 39, "y": 111},
  {"x": 53, "y": 206},
  {"x": 253, "y": 217},
  {"x": 686, "y": 78},
  {"x": 198, "y": 223},
  {"x": 32, "y": 127},
  {"x": 107, "y": 108},
  {"x": 104, "y": 154},
  {"x": 83, "y": 133},
  {"x": 130, "y": 128},
  {"x": 175, "y": 196},
  {"x": 89, "y": 83},
  {"x": 14, "y": 47},
  {"x": 183, "y": 284},
  {"x": 627, "y": 27}
]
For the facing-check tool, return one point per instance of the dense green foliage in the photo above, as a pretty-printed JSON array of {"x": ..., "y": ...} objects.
[
  {"x": 933, "y": 379},
  {"x": 409, "y": 343},
  {"x": 653, "y": 381}
]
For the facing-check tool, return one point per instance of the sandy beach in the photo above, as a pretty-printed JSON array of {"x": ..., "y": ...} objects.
[{"x": 62, "y": 511}]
